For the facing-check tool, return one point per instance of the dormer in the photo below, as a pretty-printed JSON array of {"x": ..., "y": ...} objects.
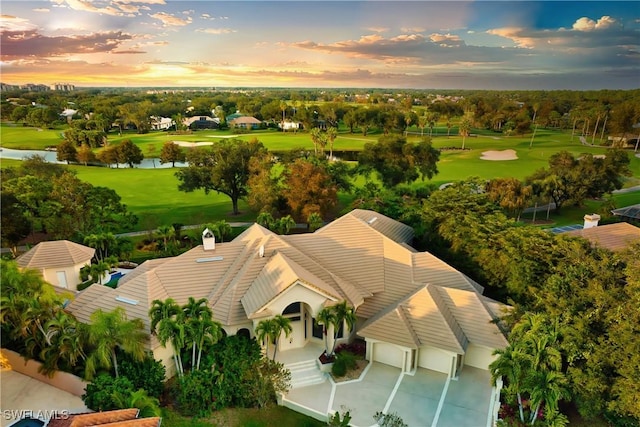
[{"x": 208, "y": 240}]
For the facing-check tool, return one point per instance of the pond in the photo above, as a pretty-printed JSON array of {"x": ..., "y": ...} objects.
[{"x": 50, "y": 157}]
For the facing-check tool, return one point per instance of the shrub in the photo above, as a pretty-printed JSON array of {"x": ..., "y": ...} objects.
[
  {"x": 196, "y": 393},
  {"x": 147, "y": 374},
  {"x": 101, "y": 393},
  {"x": 349, "y": 359},
  {"x": 339, "y": 368}
]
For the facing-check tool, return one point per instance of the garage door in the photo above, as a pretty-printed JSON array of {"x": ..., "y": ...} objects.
[
  {"x": 434, "y": 359},
  {"x": 388, "y": 354},
  {"x": 478, "y": 357}
]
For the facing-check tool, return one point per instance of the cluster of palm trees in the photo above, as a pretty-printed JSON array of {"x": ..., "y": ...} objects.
[
  {"x": 190, "y": 326},
  {"x": 531, "y": 365},
  {"x": 34, "y": 319},
  {"x": 336, "y": 316},
  {"x": 321, "y": 138}
]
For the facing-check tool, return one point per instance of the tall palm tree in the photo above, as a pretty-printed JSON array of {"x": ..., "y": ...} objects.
[
  {"x": 265, "y": 332},
  {"x": 167, "y": 234},
  {"x": 464, "y": 129},
  {"x": 166, "y": 324},
  {"x": 546, "y": 387},
  {"x": 331, "y": 134},
  {"x": 208, "y": 331},
  {"x": 343, "y": 314},
  {"x": 109, "y": 331},
  {"x": 280, "y": 324},
  {"x": 326, "y": 317},
  {"x": 195, "y": 312},
  {"x": 512, "y": 364}
]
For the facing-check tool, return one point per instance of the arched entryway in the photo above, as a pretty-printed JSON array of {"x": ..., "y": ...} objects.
[
  {"x": 299, "y": 314},
  {"x": 244, "y": 333}
]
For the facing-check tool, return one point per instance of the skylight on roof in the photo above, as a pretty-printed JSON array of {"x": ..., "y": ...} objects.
[
  {"x": 213, "y": 258},
  {"x": 372, "y": 220},
  {"x": 127, "y": 300}
]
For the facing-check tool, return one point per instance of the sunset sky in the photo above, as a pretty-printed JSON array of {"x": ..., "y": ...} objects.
[{"x": 387, "y": 44}]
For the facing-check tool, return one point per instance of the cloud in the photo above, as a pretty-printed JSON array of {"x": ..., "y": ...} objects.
[
  {"x": 519, "y": 36},
  {"x": 378, "y": 29},
  {"x": 13, "y": 23},
  {"x": 216, "y": 30},
  {"x": 24, "y": 44},
  {"x": 413, "y": 29},
  {"x": 41, "y": 10},
  {"x": 586, "y": 24},
  {"x": 113, "y": 7},
  {"x": 171, "y": 20},
  {"x": 446, "y": 40}
]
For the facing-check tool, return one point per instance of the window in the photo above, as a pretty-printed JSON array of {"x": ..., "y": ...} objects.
[
  {"x": 318, "y": 330},
  {"x": 292, "y": 312}
]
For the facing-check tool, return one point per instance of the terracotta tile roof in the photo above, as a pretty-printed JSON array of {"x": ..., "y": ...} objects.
[
  {"x": 615, "y": 237},
  {"x": 58, "y": 253},
  {"x": 96, "y": 418}
]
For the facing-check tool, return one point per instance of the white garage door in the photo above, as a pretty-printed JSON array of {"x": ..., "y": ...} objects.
[
  {"x": 388, "y": 354},
  {"x": 434, "y": 359},
  {"x": 478, "y": 357}
]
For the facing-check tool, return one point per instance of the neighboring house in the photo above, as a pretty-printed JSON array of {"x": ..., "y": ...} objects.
[
  {"x": 201, "y": 122},
  {"x": 161, "y": 123},
  {"x": 59, "y": 262},
  {"x": 615, "y": 237},
  {"x": 288, "y": 125},
  {"x": 115, "y": 418},
  {"x": 245, "y": 122},
  {"x": 413, "y": 309},
  {"x": 628, "y": 213}
]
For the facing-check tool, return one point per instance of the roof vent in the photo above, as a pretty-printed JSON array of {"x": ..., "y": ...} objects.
[
  {"x": 127, "y": 300},
  {"x": 372, "y": 220},
  {"x": 213, "y": 258},
  {"x": 261, "y": 251},
  {"x": 208, "y": 240}
]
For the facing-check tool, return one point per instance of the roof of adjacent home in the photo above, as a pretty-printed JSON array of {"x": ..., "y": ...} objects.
[
  {"x": 362, "y": 257},
  {"x": 115, "y": 418},
  {"x": 615, "y": 237},
  {"x": 57, "y": 253}
]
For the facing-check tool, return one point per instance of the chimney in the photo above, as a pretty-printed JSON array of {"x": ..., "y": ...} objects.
[
  {"x": 591, "y": 220},
  {"x": 208, "y": 240}
]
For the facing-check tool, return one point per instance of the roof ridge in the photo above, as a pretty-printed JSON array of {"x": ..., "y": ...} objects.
[
  {"x": 403, "y": 315},
  {"x": 447, "y": 314}
]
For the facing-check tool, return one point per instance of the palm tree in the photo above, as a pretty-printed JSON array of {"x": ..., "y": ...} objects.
[
  {"x": 344, "y": 314},
  {"x": 546, "y": 387},
  {"x": 148, "y": 406},
  {"x": 285, "y": 224},
  {"x": 208, "y": 331},
  {"x": 326, "y": 317},
  {"x": 109, "y": 331},
  {"x": 464, "y": 128},
  {"x": 512, "y": 364},
  {"x": 280, "y": 324},
  {"x": 166, "y": 324},
  {"x": 222, "y": 229},
  {"x": 314, "y": 221},
  {"x": 265, "y": 331},
  {"x": 66, "y": 343},
  {"x": 319, "y": 138},
  {"x": 193, "y": 313},
  {"x": 331, "y": 134},
  {"x": 166, "y": 233}
]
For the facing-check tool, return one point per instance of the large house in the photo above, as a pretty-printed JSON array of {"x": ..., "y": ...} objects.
[
  {"x": 59, "y": 262},
  {"x": 413, "y": 309}
]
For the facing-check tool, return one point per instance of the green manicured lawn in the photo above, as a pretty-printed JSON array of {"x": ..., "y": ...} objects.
[
  {"x": 153, "y": 195},
  {"x": 268, "y": 417},
  {"x": 28, "y": 138}
]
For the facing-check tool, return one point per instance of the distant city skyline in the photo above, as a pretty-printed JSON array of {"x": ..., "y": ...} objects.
[{"x": 510, "y": 45}]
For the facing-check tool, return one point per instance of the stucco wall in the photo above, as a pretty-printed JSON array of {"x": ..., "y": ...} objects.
[
  {"x": 62, "y": 380},
  {"x": 72, "y": 273}
]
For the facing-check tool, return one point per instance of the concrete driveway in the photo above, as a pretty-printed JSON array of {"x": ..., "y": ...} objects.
[
  {"x": 426, "y": 398},
  {"x": 21, "y": 394}
]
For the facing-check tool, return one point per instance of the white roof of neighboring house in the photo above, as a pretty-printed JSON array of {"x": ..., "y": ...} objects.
[
  {"x": 57, "y": 253},
  {"x": 367, "y": 263}
]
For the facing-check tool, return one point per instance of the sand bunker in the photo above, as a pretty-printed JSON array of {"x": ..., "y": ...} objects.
[
  {"x": 191, "y": 144},
  {"x": 499, "y": 155}
]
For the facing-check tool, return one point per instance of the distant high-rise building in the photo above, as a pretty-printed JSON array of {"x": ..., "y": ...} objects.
[
  {"x": 65, "y": 87},
  {"x": 5, "y": 86},
  {"x": 35, "y": 87}
]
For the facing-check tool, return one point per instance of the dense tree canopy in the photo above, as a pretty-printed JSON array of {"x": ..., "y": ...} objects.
[{"x": 396, "y": 161}]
